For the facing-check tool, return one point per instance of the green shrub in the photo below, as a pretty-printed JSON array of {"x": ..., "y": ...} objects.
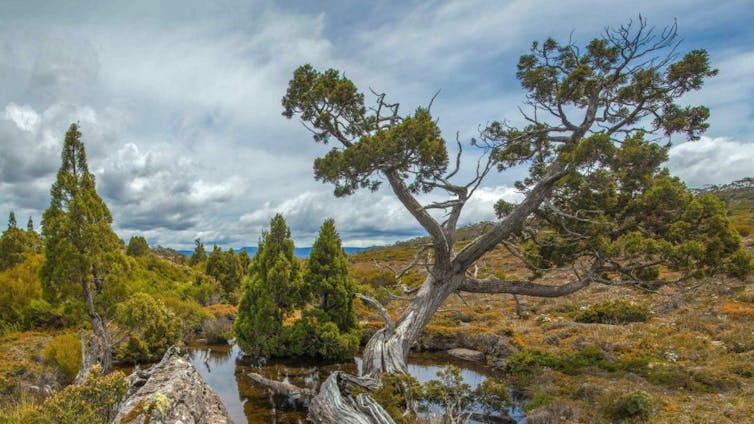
[
  {"x": 152, "y": 327},
  {"x": 613, "y": 312},
  {"x": 93, "y": 402},
  {"x": 312, "y": 336},
  {"x": 64, "y": 352},
  {"x": 397, "y": 394},
  {"x": 634, "y": 405},
  {"x": 191, "y": 315},
  {"x": 40, "y": 314},
  {"x": 526, "y": 362}
]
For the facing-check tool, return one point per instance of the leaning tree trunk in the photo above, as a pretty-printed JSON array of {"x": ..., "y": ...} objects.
[
  {"x": 386, "y": 352},
  {"x": 99, "y": 348}
]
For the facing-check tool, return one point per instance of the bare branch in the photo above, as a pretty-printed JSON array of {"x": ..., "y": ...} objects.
[
  {"x": 527, "y": 288},
  {"x": 389, "y": 325}
]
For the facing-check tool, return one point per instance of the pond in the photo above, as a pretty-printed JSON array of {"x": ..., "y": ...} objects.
[{"x": 224, "y": 369}]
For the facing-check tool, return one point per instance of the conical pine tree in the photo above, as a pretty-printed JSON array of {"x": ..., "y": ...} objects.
[
  {"x": 270, "y": 293},
  {"x": 82, "y": 252},
  {"x": 326, "y": 278}
]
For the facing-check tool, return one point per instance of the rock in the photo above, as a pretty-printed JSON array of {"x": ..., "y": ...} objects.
[
  {"x": 171, "y": 391},
  {"x": 467, "y": 354}
]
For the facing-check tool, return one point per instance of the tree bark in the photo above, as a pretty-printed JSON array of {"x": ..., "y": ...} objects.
[{"x": 99, "y": 348}]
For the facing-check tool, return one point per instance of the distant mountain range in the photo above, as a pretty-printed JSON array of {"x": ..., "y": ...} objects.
[{"x": 299, "y": 252}]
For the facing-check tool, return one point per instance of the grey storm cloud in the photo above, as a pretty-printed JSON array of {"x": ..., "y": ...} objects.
[{"x": 179, "y": 103}]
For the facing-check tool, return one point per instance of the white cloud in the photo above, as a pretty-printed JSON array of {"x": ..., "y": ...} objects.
[{"x": 712, "y": 161}]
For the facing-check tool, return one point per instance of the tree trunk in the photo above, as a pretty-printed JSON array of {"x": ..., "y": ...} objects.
[
  {"x": 386, "y": 352},
  {"x": 99, "y": 348}
]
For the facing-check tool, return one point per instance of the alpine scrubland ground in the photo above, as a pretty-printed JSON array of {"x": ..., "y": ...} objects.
[{"x": 681, "y": 353}]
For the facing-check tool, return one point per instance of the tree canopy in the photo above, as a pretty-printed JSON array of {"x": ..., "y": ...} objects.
[
  {"x": 80, "y": 246},
  {"x": 199, "y": 254},
  {"x": 16, "y": 244},
  {"x": 137, "y": 246},
  {"x": 326, "y": 280}
]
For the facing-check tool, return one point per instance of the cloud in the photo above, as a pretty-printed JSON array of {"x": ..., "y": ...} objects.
[
  {"x": 366, "y": 219},
  {"x": 712, "y": 161},
  {"x": 180, "y": 105}
]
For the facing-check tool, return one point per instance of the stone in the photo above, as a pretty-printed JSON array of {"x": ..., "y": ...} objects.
[
  {"x": 171, "y": 391},
  {"x": 467, "y": 354}
]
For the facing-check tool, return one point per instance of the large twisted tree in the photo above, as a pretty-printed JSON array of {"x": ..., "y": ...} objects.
[{"x": 597, "y": 202}]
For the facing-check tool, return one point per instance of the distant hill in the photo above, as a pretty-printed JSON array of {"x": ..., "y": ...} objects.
[
  {"x": 739, "y": 196},
  {"x": 299, "y": 252}
]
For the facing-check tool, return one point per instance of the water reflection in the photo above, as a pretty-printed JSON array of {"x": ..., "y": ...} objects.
[{"x": 225, "y": 370}]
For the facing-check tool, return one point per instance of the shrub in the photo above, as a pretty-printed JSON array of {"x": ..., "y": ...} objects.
[
  {"x": 64, "y": 352},
  {"x": 397, "y": 394},
  {"x": 94, "y": 401},
  {"x": 313, "y": 336},
  {"x": 40, "y": 314},
  {"x": 634, "y": 405},
  {"x": 151, "y": 326},
  {"x": 189, "y": 313},
  {"x": 613, "y": 312}
]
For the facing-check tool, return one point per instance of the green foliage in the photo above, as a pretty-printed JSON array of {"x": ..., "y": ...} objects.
[
  {"x": 336, "y": 345},
  {"x": 457, "y": 398},
  {"x": 152, "y": 328},
  {"x": 326, "y": 279},
  {"x": 327, "y": 328},
  {"x": 19, "y": 286},
  {"x": 137, "y": 246},
  {"x": 313, "y": 335},
  {"x": 413, "y": 146},
  {"x": 81, "y": 250},
  {"x": 526, "y": 362},
  {"x": 189, "y": 313},
  {"x": 257, "y": 326},
  {"x": 226, "y": 269},
  {"x": 613, "y": 312},
  {"x": 163, "y": 278},
  {"x": 94, "y": 401},
  {"x": 16, "y": 245},
  {"x": 634, "y": 405},
  {"x": 449, "y": 391},
  {"x": 398, "y": 393},
  {"x": 272, "y": 291},
  {"x": 274, "y": 318},
  {"x": 199, "y": 255},
  {"x": 64, "y": 352}
]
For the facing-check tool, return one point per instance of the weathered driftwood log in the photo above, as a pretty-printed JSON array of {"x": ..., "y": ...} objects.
[
  {"x": 332, "y": 405},
  {"x": 171, "y": 391},
  {"x": 298, "y": 395}
]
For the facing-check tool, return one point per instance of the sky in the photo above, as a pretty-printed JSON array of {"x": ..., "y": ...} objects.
[{"x": 179, "y": 102}]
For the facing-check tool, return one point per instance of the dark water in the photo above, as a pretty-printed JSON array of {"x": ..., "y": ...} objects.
[{"x": 247, "y": 402}]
